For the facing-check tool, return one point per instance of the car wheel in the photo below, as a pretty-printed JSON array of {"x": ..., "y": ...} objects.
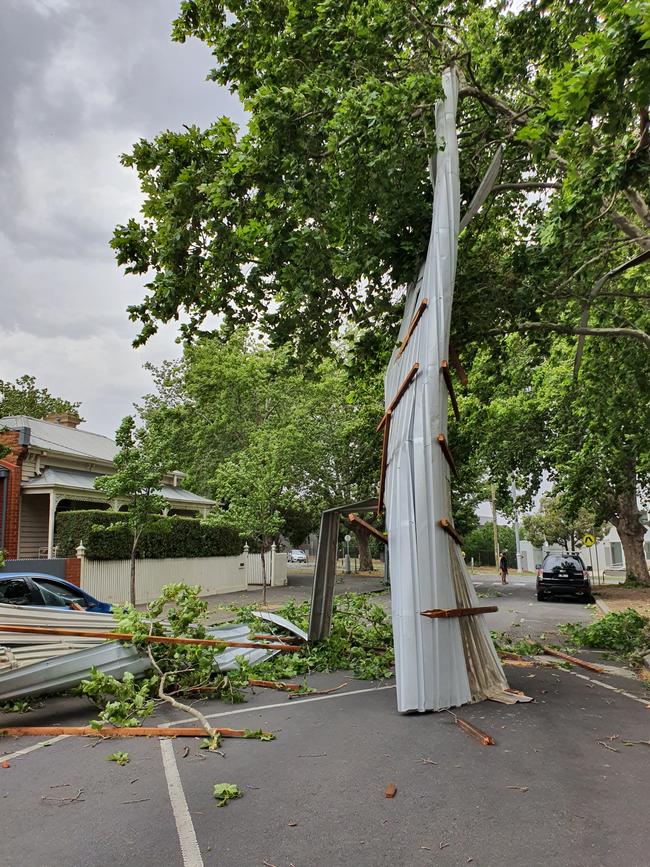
[{"x": 540, "y": 596}]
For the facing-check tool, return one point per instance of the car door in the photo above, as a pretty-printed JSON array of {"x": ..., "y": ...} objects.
[
  {"x": 18, "y": 591},
  {"x": 59, "y": 595}
]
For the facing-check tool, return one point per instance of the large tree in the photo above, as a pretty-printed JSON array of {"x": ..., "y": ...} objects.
[
  {"x": 24, "y": 397},
  {"x": 318, "y": 213}
]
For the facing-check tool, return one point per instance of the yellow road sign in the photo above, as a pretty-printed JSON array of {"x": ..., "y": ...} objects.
[{"x": 589, "y": 539}]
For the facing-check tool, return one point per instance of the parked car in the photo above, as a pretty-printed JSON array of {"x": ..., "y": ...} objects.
[
  {"x": 296, "y": 556},
  {"x": 563, "y": 575},
  {"x": 37, "y": 588}
]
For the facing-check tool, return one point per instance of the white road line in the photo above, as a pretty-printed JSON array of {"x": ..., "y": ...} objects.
[
  {"x": 184, "y": 826},
  {"x": 283, "y": 705},
  {"x": 23, "y": 752},
  {"x": 617, "y": 689}
]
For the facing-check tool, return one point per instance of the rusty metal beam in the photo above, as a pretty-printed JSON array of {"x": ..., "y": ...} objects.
[
  {"x": 459, "y": 612},
  {"x": 355, "y": 519},
  {"x": 446, "y": 373},
  {"x": 400, "y": 394},
  {"x": 442, "y": 441},
  {"x": 384, "y": 463},
  {"x": 449, "y": 528},
  {"x": 412, "y": 326}
]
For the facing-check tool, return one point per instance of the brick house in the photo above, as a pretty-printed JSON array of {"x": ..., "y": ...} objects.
[{"x": 52, "y": 466}]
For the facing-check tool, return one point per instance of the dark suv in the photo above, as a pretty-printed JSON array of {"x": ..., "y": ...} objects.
[{"x": 563, "y": 575}]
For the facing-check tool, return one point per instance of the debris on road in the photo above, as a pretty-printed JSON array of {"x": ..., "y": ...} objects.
[
  {"x": 573, "y": 660},
  {"x": 390, "y": 791},
  {"x": 319, "y": 691},
  {"x": 130, "y": 732},
  {"x": 224, "y": 792},
  {"x": 481, "y": 736},
  {"x": 120, "y": 757},
  {"x": 518, "y": 788}
]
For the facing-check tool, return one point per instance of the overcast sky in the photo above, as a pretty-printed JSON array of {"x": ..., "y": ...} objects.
[{"x": 82, "y": 80}]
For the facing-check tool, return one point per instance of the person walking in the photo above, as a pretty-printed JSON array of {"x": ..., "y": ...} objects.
[{"x": 503, "y": 567}]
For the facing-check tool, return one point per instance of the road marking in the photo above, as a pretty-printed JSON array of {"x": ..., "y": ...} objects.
[
  {"x": 520, "y": 584},
  {"x": 184, "y": 826},
  {"x": 281, "y": 704},
  {"x": 617, "y": 689},
  {"x": 23, "y": 752}
]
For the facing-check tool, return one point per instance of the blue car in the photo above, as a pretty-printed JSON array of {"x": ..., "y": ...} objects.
[{"x": 36, "y": 588}]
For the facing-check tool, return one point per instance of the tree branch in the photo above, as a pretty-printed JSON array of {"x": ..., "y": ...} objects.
[
  {"x": 630, "y": 229},
  {"x": 527, "y": 185},
  {"x": 576, "y": 329},
  {"x": 639, "y": 205}
]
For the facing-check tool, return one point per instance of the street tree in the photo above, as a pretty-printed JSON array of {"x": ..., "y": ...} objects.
[
  {"x": 556, "y": 523},
  {"x": 136, "y": 481},
  {"x": 24, "y": 397},
  {"x": 318, "y": 214}
]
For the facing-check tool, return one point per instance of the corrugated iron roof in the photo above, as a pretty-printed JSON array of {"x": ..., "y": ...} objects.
[{"x": 53, "y": 437}]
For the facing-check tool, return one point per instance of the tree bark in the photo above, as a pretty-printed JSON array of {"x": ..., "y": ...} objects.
[
  {"x": 263, "y": 577},
  {"x": 631, "y": 533},
  {"x": 365, "y": 558},
  {"x": 134, "y": 548}
]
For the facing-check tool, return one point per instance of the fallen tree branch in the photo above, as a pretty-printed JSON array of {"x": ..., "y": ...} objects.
[
  {"x": 121, "y": 732},
  {"x": 575, "y": 329}
]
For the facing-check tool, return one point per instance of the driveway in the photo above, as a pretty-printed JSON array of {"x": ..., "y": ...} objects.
[{"x": 560, "y": 787}]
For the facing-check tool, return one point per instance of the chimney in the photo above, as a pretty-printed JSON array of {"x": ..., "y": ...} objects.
[{"x": 67, "y": 419}]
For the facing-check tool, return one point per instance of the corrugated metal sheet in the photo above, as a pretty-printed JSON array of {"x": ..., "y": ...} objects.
[
  {"x": 432, "y": 667},
  {"x": 64, "y": 440}
]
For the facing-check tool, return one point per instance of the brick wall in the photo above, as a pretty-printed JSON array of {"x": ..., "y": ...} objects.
[
  {"x": 13, "y": 463},
  {"x": 73, "y": 570}
]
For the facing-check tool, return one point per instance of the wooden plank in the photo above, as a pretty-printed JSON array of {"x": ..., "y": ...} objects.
[
  {"x": 456, "y": 364},
  {"x": 152, "y": 639},
  {"x": 416, "y": 318},
  {"x": 384, "y": 464},
  {"x": 449, "y": 528},
  {"x": 574, "y": 660},
  {"x": 355, "y": 519},
  {"x": 444, "y": 369},
  {"x": 459, "y": 612},
  {"x": 442, "y": 441},
  {"x": 118, "y": 732},
  {"x": 400, "y": 394}
]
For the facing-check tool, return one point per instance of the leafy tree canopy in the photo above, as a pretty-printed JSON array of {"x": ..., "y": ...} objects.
[
  {"x": 316, "y": 216},
  {"x": 24, "y": 397}
]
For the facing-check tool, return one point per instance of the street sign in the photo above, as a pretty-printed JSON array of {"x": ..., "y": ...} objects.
[{"x": 589, "y": 539}]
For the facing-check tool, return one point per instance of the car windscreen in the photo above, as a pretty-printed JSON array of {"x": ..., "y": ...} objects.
[
  {"x": 563, "y": 563},
  {"x": 58, "y": 594}
]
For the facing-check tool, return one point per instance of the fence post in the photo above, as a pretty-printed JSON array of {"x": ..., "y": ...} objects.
[
  {"x": 245, "y": 556},
  {"x": 273, "y": 549}
]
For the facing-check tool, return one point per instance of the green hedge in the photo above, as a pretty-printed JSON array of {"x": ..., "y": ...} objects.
[{"x": 107, "y": 537}]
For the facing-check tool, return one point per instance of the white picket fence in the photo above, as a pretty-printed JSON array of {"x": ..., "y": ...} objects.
[
  {"x": 109, "y": 580},
  {"x": 276, "y": 568}
]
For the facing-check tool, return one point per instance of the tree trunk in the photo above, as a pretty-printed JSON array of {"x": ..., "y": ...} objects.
[
  {"x": 263, "y": 577},
  {"x": 365, "y": 559},
  {"x": 631, "y": 533},
  {"x": 132, "y": 582}
]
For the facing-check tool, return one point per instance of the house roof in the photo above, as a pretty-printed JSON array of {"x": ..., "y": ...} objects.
[
  {"x": 53, "y": 477},
  {"x": 58, "y": 438}
]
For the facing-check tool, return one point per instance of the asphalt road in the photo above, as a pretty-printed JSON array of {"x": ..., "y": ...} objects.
[{"x": 560, "y": 787}]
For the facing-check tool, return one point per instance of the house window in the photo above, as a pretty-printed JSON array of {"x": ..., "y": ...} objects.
[{"x": 617, "y": 554}]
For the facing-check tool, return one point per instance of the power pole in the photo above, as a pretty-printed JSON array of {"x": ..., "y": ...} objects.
[
  {"x": 513, "y": 490},
  {"x": 495, "y": 529}
]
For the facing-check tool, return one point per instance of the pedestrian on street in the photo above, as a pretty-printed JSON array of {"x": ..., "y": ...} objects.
[{"x": 503, "y": 567}]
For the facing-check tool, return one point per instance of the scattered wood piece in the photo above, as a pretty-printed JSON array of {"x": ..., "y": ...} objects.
[
  {"x": 459, "y": 612},
  {"x": 152, "y": 639},
  {"x": 186, "y": 752},
  {"x": 390, "y": 791},
  {"x": 443, "y": 845},
  {"x": 268, "y": 864},
  {"x": 136, "y": 801},
  {"x": 518, "y": 663},
  {"x": 312, "y": 755},
  {"x": 607, "y": 746},
  {"x": 426, "y": 762},
  {"x": 518, "y": 788},
  {"x": 5, "y": 764},
  {"x": 292, "y": 824},
  {"x": 319, "y": 691},
  {"x": 273, "y": 684},
  {"x": 119, "y": 732},
  {"x": 636, "y": 743},
  {"x": 62, "y": 801},
  {"x": 573, "y": 659}
]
